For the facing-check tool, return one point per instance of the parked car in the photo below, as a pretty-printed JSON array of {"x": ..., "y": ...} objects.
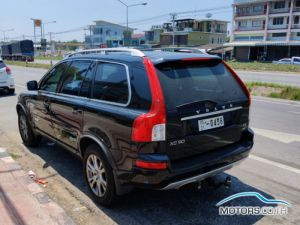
[
  {"x": 6, "y": 79},
  {"x": 293, "y": 61},
  {"x": 158, "y": 121}
]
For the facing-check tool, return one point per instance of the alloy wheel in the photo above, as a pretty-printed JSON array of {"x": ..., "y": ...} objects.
[{"x": 96, "y": 175}]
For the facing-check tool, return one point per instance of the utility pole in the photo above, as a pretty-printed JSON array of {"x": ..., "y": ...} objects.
[
  {"x": 173, "y": 18},
  {"x": 127, "y": 12},
  {"x": 91, "y": 39}
]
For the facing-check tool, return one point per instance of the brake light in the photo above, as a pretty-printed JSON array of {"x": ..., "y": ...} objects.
[
  {"x": 195, "y": 59},
  {"x": 151, "y": 126},
  {"x": 151, "y": 165},
  {"x": 239, "y": 80},
  {"x": 8, "y": 70}
]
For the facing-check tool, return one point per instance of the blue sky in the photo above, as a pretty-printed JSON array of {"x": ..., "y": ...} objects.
[{"x": 71, "y": 14}]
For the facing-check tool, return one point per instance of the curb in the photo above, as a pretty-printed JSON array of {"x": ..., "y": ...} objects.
[{"x": 52, "y": 209}]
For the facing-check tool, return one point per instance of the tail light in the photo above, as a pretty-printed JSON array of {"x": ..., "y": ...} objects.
[
  {"x": 8, "y": 70},
  {"x": 238, "y": 79},
  {"x": 151, "y": 126}
]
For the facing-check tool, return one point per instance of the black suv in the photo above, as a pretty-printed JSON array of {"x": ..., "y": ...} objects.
[{"x": 153, "y": 120}]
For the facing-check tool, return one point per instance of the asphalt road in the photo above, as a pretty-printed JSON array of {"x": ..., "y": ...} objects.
[
  {"x": 273, "y": 170},
  {"x": 292, "y": 79}
]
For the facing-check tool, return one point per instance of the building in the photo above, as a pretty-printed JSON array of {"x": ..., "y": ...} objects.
[
  {"x": 106, "y": 34},
  {"x": 192, "y": 32},
  {"x": 138, "y": 39},
  {"x": 153, "y": 35},
  {"x": 265, "y": 29},
  {"x": 189, "y": 32}
]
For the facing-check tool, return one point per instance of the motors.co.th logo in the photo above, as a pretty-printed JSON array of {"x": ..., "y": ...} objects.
[{"x": 281, "y": 209}]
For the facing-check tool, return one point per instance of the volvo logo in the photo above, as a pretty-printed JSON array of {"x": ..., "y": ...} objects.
[{"x": 211, "y": 108}]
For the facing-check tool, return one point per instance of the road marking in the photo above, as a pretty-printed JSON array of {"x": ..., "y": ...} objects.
[
  {"x": 21, "y": 86},
  {"x": 279, "y": 165},
  {"x": 278, "y": 136},
  {"x": 276, "y": 102}
]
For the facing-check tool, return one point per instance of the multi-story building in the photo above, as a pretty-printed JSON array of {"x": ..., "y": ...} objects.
[
  {"x": 104, "y": 34},
  {"x": 189, "y": 32},
  {"x": 265, "y": 29}
]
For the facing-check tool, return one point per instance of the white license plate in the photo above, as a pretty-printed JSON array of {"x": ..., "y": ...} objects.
[{"x": 211, "y": 123}]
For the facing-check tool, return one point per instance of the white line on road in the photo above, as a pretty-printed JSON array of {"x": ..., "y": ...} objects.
[
  {"x": 277, "y": 136},
  {"x": 279, "y": 165},
  {"x": 276, "y": 102}
]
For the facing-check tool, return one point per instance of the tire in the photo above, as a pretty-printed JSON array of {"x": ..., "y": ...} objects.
[
  {"x": 11, "y": 91},
  {"x": 27, "y": 135},
  {"x": 100, "y": 180}
]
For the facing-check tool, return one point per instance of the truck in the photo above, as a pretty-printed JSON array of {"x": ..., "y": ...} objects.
[{"x": 19, "y": 51}]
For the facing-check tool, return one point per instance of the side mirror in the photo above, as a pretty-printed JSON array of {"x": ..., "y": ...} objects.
[{"x": 32, "y": 85}]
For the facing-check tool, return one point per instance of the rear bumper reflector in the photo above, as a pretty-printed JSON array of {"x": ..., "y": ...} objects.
[{"x": 151, "y": 165}]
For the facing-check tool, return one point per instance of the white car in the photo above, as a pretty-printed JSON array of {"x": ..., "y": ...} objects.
[
  {"x": 7, "y": 83},
  {"x": 293, "y": 61}
]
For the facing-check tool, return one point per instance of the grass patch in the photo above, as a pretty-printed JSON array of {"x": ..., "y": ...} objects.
[
  {"x": 258, "y": 66},
  {"x": 274, "y": 90},
  {"x": 49, "y": 57},
  {"x": 32, "y": 65}
]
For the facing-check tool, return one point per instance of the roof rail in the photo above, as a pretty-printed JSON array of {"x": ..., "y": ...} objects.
[{"x": 133, "y": 52}]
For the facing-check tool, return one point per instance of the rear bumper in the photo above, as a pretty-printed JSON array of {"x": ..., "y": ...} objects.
[
  {"x": 200, "y": 177},
  {"x": 193, "y": 169}
]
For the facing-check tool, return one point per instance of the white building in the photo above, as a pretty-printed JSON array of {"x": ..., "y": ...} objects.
[
  {"x": 104, "y": 34},
  {"x": 265, "y": 29}
]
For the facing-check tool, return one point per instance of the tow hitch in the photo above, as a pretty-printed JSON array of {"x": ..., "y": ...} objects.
[{"x": 213, "y": 182}]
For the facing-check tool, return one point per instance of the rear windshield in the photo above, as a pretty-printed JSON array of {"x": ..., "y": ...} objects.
[
  {"x": 187, "y": 82},
  {"x": 2, "y": 65}
]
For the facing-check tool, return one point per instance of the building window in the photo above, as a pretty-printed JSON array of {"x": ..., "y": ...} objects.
[
  {"x": 257, "y": 8},
  {"x": 298, "y": 34},
  {"x": 256, "y": 23},
  {"x": 279, "y": 35},
  {"x": 297, "y": 4},
  {"x": 296, "y": 20},
  {"x": 279, "y": 5},
  {"x": 243, "y": 23},
  {"x": 278, "y": 21}
]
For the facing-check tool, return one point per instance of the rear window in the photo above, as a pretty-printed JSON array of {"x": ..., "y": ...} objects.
[
  {"x": 187, "y": 82},
  {"x": 2, "y": 64}
]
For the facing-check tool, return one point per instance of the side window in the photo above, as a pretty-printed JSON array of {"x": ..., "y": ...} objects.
[
  {"x": 73, "y": 78},
  {"x": 52, "y": 79},
  {"x": 111, "y": 83},
  {"x": 86, "y": 84}
]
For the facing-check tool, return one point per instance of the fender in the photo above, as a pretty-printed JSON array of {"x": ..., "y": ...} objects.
[
  {"x": 104, "y": 148},
  {"x": 120, "y": 189},
  {"x": 22, "y": 107}
]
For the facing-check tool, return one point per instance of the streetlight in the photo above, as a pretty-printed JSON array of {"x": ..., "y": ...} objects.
[
  {"x": 4, "y": 31},
  {"x": 43, "y": 27},
  {"x": 127, "y": 7}
]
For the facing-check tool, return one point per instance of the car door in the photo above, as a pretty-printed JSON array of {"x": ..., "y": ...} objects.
[
  {"x": 68, "y": 105},
  {"x": 40, "y": 104}
]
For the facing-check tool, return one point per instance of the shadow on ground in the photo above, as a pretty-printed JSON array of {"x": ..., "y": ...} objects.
[{"x": 186, "y": 206}]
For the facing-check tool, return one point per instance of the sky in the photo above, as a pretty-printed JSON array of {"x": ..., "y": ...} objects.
[{"x": 75, "y": 14}]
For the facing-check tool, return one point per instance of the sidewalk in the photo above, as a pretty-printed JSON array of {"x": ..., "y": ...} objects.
[{"x": 22, "y": 201}]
